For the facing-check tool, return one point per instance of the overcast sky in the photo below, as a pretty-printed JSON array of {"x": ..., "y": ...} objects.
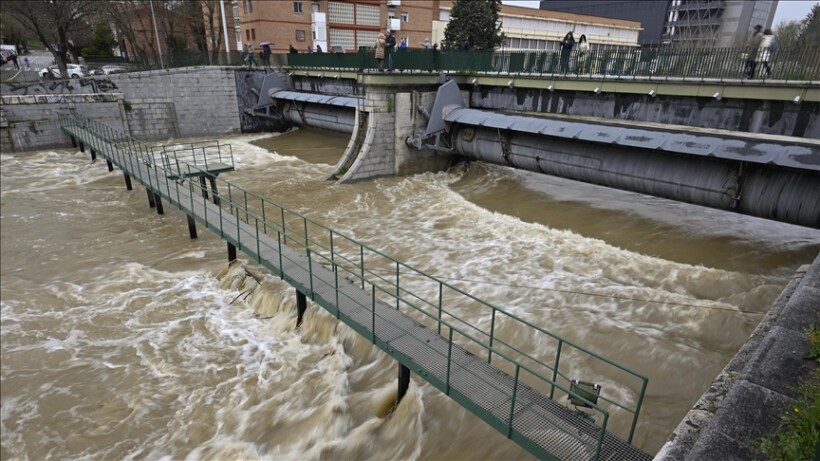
[{"x": 787, "y": 10}]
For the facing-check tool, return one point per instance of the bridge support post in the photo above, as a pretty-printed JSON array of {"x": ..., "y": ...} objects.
[
  {"x": 94, "y": 155},
  {"x": 151, "y": 203},
  {"x": 158, "y": 201},
  {"x": 191, "y": 226},
  {"x": 203, "y": 187},
  {"x": 404, "y": 381},
  {"x": 110, "y": 165},
  {"x": 231, "y": 252},
  {"x": 82, "y": 146},
  {"x": 73, "y": 142},
  {"x": 127, "y": 180},
  {"x": 301, "y": 307},
  {"x": 214, "y": 193}
]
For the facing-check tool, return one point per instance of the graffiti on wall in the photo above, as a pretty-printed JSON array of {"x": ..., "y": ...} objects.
[{"x": 83, "y": 85}]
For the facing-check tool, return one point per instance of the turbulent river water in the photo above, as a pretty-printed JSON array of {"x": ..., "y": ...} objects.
[{"x": 122, "y": 338}]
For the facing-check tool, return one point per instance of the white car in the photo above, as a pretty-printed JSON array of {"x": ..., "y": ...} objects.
[
  {"x": 113, "y": 69},
  {"x": 74, "y": 71}
]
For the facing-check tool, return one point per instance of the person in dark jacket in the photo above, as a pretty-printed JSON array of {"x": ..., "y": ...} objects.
[
  {"x": 390, "y": 40},
  {"x": 752, "y": 46},
  {"x": 566, "y": 49},
  {"x": 292, "y": 50}
]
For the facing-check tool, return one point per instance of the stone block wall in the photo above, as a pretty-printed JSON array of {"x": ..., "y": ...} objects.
[
  {"x": 377, "y": 155},
  {"x": 30, "y": 122},
  {"x": 159, "y": 104}
]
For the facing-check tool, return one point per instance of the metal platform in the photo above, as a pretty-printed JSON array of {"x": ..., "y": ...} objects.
[{"x": 524, "y": 413}]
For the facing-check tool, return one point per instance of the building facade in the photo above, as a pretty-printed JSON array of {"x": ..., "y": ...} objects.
[
  {"x": 683, "y": 23},
  {"x": 715, "y": 23},
  {"x": 651, "y": 14}
]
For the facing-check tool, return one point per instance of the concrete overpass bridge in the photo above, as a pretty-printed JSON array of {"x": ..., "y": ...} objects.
[{"x": 749, "y": 146}]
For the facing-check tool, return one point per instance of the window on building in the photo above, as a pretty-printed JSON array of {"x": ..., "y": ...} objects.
[
  {"x": 253, "y": 34},
  {"x": 300, "y": 35},
  {"x": 297, "y": 7},
  {"x": 250, "y": 6},
  {"x": 340, "y": 13},
  {"x": 248, "y": 34},
  {"x": 368, "y": 15},
  {"x": 405, "y": 17},
  {"x": 343, "y": 38},
  {"x": 315, "y": 7}
]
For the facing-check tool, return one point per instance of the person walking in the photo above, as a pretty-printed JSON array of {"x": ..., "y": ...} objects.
[
  {"x": 426, "y": 43},
  {"x": 566, "y": 49},
  {"x": 764, "y": 52},
  {"x": 752, "y": 46},
  {"x": 250, "y": 61},
  {"x": 583, "y": 54},
  {"x": 266, "y": 54},
  {"x": 292, "y": 50},
  {"x": 380, "y": 46}
]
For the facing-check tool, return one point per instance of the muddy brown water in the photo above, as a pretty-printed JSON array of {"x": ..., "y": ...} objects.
[{"x": 124, "y": 339}]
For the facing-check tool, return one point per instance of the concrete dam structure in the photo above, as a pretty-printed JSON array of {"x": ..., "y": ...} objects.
[{"x": 768, "y": 176}]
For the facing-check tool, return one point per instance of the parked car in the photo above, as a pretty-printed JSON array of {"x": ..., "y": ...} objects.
[
  {"x": 109, "y": 69},
  {"x": 74, "y": 71}
]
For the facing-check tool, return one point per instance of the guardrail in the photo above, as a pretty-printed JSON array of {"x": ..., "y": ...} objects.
[
  {"x": 498, "y": 336},
  {"x": 203, "y": 155},
  {"x": 796, "y": 64}
]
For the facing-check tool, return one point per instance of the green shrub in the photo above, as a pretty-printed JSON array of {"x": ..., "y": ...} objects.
[{"x": 799, "y": 438}]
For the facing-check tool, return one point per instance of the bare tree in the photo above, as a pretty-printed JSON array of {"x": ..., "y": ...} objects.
[{"x": 53, "y": 21}]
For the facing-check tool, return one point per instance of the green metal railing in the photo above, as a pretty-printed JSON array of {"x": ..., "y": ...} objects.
[
  {"x": 258, "y": 226},
  {"x": 203, "y": 155}
]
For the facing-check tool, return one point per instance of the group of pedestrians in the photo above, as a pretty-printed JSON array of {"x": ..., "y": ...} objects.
[{"x": 759, "y": 50}]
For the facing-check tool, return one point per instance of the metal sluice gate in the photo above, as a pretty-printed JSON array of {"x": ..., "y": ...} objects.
[{"x": 771, "y": 177}]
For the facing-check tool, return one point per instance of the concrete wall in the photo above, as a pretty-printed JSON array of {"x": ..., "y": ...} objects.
[
  {"x": 768, "y": 117},
  {"x": 158, "y": 104},
  {"x": 30, "y": 122}
]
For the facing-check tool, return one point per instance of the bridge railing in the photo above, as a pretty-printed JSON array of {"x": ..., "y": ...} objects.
[
  {"x": 498, "y": 335},
  {"x": 204, "y": 155},
  {"x": 799, "y": 63}
]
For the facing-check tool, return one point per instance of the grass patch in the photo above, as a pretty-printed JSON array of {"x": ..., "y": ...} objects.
[{"x": 799, "y": 438}]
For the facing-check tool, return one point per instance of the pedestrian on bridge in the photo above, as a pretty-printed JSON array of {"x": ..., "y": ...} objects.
[
  {"x": 380, "y": 46},
  {"x": 752, "y": 46},
  {"x": 566, "y": 49},
  {"x": 764, "y": 52}
]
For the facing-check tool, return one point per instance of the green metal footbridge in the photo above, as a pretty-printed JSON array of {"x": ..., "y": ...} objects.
[{"x": 535, "y": 398}]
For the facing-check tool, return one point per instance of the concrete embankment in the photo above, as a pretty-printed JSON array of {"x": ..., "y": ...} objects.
[{"x": 749, "y": 397}]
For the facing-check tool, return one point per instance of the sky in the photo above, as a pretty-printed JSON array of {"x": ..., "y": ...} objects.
[{"x": 787, "y": 10}]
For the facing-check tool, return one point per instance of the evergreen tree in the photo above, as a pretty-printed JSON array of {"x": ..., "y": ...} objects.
[
  {"x": 810, "y": 34},
  {"x": 473, "y": 25}
]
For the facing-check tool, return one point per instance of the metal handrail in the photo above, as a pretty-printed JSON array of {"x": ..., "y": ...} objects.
[{"x": 253, "y": 210}]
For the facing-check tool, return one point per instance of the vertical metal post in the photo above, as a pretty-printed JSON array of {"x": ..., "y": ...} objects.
[
  {"x": 555, "y": 367},
  {"x": 82, "y": 146},
  {"x": 310, "y": 273},
  {"x": 203, "y": 187},
  {"x": 492, "y": 334},
  {"x": 336, "y": 284},
  {"x": 404, "y": 381},
  {"x": 307, "y": 242},
  {"x": 284, "y": 234},
  {"x": 151, "y": 203},
  {"x": 214, "y": 193},
  {"x": 127, "y": 181},
  {"x": 110, "y": 165},
  {"x": 158, "y": 200},
  {"x": 449, "y": 359},
  {"x": 191, "y": 226},
  {"x": 231, "y": 252},
  {"x": 440, "y": 295},
  {"x": 93, "y": 154},
  {"x": 398, "y": 292},
  {"x": 73, "y": 142},
  {"x": 361, "y": 266},
  {"x": 512, "y": 403},
  {"x": 301, "y": 306},
  {"x": 281, "y": 269},
  {"x": 373, "y": 313}
]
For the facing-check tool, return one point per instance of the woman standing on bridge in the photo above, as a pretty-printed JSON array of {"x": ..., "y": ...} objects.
[
  {"x": 380, "y": 46},
  {"x": 566, "y": 48}
]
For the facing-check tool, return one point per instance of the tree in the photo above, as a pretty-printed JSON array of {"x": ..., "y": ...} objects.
[
  {"x": 810, "y": 34},
  {"x": 53, "y": 21},
  {"x": 473, "y": 25},
  {"x": 101, "y": 41},
  {"x": 787, "y": 33}
]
